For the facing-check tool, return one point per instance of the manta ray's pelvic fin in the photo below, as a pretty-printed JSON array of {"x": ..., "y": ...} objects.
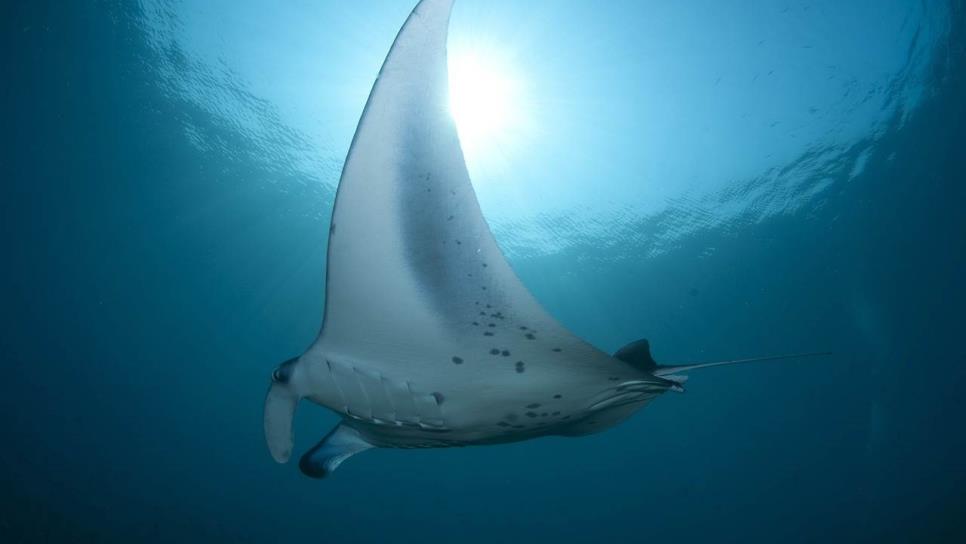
[{"x": 337, "y": 446}]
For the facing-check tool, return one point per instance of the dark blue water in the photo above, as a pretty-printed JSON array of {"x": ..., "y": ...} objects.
[{"x": 161, "y": 256}]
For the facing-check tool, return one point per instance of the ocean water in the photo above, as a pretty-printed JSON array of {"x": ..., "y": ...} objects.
[{"x": 726, "y": 179}]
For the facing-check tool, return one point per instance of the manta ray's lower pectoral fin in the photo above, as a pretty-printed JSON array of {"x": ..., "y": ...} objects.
[{"x": 337, "y": 446}]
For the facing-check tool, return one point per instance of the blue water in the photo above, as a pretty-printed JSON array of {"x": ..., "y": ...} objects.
[{"x": 727, "y": 179}]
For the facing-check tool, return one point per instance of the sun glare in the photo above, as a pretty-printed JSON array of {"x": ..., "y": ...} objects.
[{"x": 484, "y": 101}]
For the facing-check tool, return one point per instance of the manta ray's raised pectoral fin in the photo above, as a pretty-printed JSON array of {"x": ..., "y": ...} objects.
[
  {"x": 337, "y": 446},
  {"x": 411, "y": 260}
]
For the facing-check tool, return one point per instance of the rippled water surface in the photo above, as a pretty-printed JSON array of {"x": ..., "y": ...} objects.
[{"x": 725, "y": 178}]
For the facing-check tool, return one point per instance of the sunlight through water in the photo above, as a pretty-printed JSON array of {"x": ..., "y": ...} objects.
[{"x": 485, "y": 101}]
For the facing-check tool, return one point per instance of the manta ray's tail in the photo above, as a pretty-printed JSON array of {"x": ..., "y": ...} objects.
[
  {"x": 639, "y": 354},
  {"x": 280, "y": 411},
  {"x": 665, "y": 370}
]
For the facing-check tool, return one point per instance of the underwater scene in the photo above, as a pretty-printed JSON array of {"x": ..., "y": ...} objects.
[{"x": 483, "y": 271}]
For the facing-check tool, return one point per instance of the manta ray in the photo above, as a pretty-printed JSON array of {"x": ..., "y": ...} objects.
[{"x": 429, "y": 339}]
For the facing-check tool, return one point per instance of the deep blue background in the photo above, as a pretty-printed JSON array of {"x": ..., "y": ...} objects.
[{"x": 149, "y": 289}]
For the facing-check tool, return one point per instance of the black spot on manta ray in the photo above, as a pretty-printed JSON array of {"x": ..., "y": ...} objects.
[
  {"x": 485, "y": 265},
  {"x": 459, "y": 243},
  {"x": 531, "y": 414},
  {"x": 557, "y": 396},
  {"x": 506, "y": 353},
  {"x": 558, "y": 350},
  {"x": 523, "y": 327},
  {"x": 476, "y": 323},
  {"x": 457, "y": 360},
  {"x": 332, "y": 228},
  {"x": 484, "y": 287},
  {"x": 488, "y": 306},
  {"x": 520, "y": 367},
  {"x": 494, "y": 351},
  {"x": 534, "y": 405},
  {"x": 450, "y": 218},
  {"x": 491, "y": 325},
  {"x": 530, "y": 336},
  {"x": 613, "y": 378},
  {"x": 511, "y": 417},
  {"x": 487, "y": 333}
]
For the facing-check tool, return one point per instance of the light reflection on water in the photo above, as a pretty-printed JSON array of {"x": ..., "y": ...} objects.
[{"x": 757, "y": 154}]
